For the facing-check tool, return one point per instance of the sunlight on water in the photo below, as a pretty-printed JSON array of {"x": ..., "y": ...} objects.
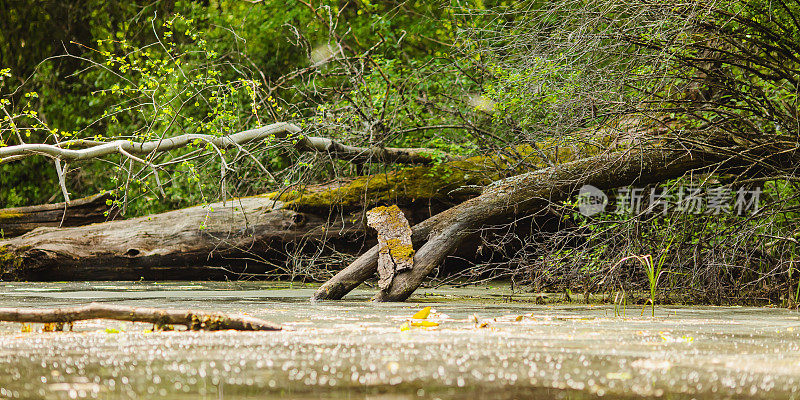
[{"x": 356, "y": 349}]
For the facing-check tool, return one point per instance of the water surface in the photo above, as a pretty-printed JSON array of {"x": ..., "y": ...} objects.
[{"x": 489, "y": 344}]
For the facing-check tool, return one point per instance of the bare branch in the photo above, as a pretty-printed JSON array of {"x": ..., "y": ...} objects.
[
  {"x": 61, "y": 172},
  {"x": 159, "y": 145},
  {"x": 281, "y": 130},
  {"x": 366, "y": 154}
]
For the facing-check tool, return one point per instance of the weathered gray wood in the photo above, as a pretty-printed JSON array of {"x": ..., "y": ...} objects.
[
  {"x": 252, "y": 235},
  {"x": 201, "y": 242},
  {"x": 528, "y": 193},
  {"x": 249, "y": 235},
  {"x": 95, "y": 149},
  {"x": 532, "y": 193}
]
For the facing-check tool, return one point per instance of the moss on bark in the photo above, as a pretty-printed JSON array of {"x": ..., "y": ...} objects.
[
  {"x": 8, "y": 260},
  {"x": 9, "y": 215},
  {"x": 435, "y": 183}
]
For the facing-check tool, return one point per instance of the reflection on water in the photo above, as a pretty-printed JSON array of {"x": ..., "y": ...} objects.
[{"x": 356, "y": 349}]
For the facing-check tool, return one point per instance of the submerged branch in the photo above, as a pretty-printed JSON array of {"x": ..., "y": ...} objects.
[{"x": 193, "y": 320}]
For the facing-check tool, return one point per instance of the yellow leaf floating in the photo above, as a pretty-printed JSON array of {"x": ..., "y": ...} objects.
[
  {"x": 418, "y": 320},
  {"x": 422, "y": 314},
  {"x": 519, "y": 318}
]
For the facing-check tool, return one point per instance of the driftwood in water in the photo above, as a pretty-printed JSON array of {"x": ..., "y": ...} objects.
[
  {"x": 250, "y": 235},
  {"x": 88, "y": 210},
  {"x": 193, "y": 320}
]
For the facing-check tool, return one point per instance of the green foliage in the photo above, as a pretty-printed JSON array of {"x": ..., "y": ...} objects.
[{"x": 147, "y": 71}]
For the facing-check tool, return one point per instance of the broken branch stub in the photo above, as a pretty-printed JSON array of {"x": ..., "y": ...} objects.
[{"x": 396, "y": 252}]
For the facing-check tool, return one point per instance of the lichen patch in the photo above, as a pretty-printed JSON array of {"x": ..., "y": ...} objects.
[{"x": 394, "y": 238}]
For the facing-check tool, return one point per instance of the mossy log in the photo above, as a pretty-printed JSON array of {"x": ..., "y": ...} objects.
[
  {"x": 203, "y": 242},
  {"x": 88, "y": 210},
  {"x": 260, "y": 234},
  {"x": 443, "y": 184},
  {"x": 192, "y": 319},
  {"x": 253, "y": 235}
]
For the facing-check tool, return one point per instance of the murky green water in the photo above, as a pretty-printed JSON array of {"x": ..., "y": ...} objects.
[{"x": 355, "y": 349}]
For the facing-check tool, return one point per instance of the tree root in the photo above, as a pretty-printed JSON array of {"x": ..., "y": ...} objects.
[{"x": 193, "y": 320}]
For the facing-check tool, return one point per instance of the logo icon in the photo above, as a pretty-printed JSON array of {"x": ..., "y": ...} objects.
[{"x": 591, "y": 200}]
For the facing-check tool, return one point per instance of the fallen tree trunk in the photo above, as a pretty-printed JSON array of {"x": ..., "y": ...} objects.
[
  {"x": 528, "y": 193},
  {"x": 260, "y": 234},
  {"x": 192, "y": 319},
  {"x": 88, "y": 210},
  {"x": 202, "y": 241},
  {"x": 250, "y": 235}
]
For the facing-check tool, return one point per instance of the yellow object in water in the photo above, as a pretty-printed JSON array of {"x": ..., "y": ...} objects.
[{"x": 422, "y": 314}]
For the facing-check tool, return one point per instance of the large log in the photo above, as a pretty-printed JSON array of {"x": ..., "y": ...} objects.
[
  {"x": 531, "y": 193},
  {"x": 198, "y": 242},
  {"x": 247, "y": 235},
  {"x": 259, "y": 234},
  {"x": 18, "y": 220},
  {"x": 250, "y": 235}
]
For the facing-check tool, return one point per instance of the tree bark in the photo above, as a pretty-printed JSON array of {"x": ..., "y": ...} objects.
[
  {"x": 251, "y": 235},
  {"x": 210, "y": 242},
  {"x": 528, "y": 193},
  {"x": 394, "y": 240},
  {"x": 193, "y": 320},
  {"x": 18, "y": 220}
]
